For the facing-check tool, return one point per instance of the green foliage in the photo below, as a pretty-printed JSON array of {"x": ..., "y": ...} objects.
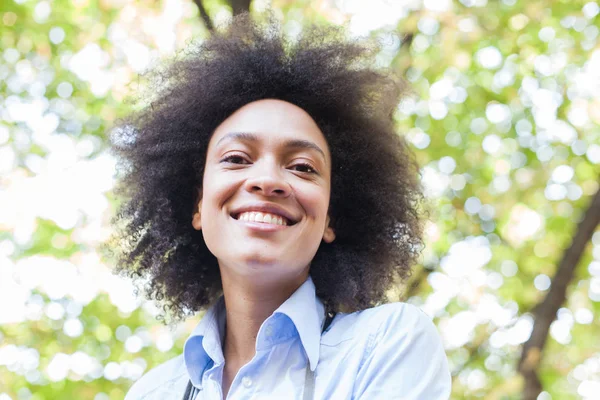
[{"x": 503, "y": 117}]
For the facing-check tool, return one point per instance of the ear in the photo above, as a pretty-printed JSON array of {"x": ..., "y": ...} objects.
[
  {"x": 196, "y": 219},
  {"x": 328, "y": 234}
]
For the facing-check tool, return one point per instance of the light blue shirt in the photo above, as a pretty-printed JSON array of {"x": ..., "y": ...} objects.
[{"x": 392, "y": 351}]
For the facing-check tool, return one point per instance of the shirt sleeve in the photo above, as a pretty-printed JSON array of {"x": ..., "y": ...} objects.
[{"x": 405, "y": 358}]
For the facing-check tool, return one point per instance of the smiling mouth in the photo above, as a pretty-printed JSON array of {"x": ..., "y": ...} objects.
[{"x": 263, "y": 218}]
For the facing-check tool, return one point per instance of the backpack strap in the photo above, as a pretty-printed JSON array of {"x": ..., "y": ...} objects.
[{"x": 309, "y": 382}]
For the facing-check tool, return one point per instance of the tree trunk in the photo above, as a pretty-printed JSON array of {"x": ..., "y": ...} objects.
[{"x": 545, "y": 312}]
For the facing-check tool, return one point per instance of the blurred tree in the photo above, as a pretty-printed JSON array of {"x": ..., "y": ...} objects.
[
  {"x": 500, "y": 118},
  {"x": 503, "y": 113}
]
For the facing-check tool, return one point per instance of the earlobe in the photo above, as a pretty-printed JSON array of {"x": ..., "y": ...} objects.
[
  {"x": 329, "y": 234},
  {"x": 196, "y": 219},
  {"x": 197, "y": 222}
]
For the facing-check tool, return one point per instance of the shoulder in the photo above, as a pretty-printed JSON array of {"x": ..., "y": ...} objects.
[
  {"x": 401, "y": 314},
  {"x": 162, "y": 376},
  {"x": 398, "y": 319},
  {"x": 400, "y": 323},
  {"x": 404, "y": 355}
]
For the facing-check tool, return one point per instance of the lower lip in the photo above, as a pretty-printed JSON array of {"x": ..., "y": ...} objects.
[{"x": 261, "y": 226}]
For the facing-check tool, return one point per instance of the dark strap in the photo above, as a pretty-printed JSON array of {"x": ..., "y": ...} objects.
[
  {"x": 190, "y": 390},
  {"x": 328, "y": 318},
  {"x": 309, "y": 381}
]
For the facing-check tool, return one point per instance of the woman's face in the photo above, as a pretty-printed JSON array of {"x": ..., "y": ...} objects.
[{"x": 265, "y": 192}]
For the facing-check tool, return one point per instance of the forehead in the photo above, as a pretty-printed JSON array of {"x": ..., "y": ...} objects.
[{"x": 272, "y": 121}]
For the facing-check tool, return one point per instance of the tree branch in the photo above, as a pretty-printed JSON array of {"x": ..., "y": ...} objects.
[
  {"x": 545, "y": 312},
  {"x": 204, "y": 15},
  {"x": 407, "y": 40},
  {"x": 240, "y": 6}
]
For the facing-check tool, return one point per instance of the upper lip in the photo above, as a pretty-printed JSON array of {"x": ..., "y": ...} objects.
[{"x": 265, "y": 208}]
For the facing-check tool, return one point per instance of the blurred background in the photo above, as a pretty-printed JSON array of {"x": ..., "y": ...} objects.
[{"x": 504, "y": 116}]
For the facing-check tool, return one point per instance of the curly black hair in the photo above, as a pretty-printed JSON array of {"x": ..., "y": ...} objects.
[{"x": 161, "y": 148}]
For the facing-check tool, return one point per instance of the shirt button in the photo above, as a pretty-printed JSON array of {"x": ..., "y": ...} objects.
[{"x": 247, "y": 382}]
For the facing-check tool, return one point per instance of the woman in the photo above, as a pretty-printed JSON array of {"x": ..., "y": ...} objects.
[{"x": 265, "y": 184}]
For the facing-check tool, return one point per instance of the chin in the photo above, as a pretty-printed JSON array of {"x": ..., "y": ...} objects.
[{"x": 262, "y": 262}]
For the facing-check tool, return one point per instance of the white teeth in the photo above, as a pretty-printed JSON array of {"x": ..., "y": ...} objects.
[{"x": 265, "y": 218}]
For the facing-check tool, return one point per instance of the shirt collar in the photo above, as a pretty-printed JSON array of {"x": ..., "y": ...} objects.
[
  {"x": 307, "y": 313},
  {"x": 204, "y": 345}
]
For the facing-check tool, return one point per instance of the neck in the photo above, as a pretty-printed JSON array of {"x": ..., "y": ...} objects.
[{"x": 248, "y": 304}]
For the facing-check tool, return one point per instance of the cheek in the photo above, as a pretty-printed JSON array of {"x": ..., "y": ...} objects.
[
  {"x": 315, "y": 200},
  {"x": 216, "y": 189}
]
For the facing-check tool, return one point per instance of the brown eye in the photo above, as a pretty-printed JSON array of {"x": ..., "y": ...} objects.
[
  {"x": 304, "y": 168},
  {"x": 234, "y": 159}
]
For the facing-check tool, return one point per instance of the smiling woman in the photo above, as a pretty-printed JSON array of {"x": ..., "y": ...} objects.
[
  {"x": 275, "y": 169},
  {"x": 265, "y": 184}
]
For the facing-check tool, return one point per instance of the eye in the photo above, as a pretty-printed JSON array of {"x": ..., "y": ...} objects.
[
  {"x": 234, "y": 159},
  {"x": 307, "y": 168}
]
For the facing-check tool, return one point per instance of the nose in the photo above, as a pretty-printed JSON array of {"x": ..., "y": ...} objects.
[{"x": 267, "y": 180}]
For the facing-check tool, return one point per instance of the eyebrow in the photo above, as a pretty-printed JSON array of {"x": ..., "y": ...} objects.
[{"x": 292, "y": 143}]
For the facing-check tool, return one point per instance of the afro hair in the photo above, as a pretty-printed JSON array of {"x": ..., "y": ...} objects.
[{"x": 161, "y": 148}]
